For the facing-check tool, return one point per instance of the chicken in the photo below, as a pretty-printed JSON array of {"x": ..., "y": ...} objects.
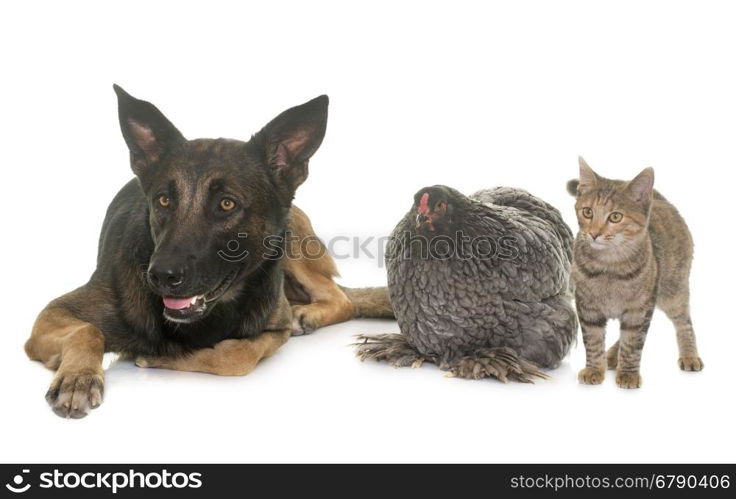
[{"x": 479, "y": 285}]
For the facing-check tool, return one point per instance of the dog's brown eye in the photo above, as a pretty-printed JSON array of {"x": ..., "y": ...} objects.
[
  {"x": 615, "y": 217},
  {"x": 227, "y": 204},
  {"x": 164, "y": 201},
  {"x": 587, "y": 212}
]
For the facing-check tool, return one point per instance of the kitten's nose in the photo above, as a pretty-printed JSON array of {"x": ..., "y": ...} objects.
[{"x": 594, "y": 235}]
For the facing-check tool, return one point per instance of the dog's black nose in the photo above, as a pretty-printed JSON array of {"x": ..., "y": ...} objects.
[{"x": 166, "y": 276}]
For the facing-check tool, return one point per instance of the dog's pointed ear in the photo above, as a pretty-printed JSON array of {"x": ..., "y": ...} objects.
[
  {"x": 149, "y": 134},
  {"x": 291, "y": 138}
]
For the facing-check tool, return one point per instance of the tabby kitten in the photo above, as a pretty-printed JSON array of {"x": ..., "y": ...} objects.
[{"x": 632, "y": 253}]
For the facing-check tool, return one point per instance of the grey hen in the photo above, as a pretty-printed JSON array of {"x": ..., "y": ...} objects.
[{"x": 479, "y": 285}]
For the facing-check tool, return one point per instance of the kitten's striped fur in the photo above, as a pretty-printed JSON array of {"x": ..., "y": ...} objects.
[{"x": 633, "y": 252}]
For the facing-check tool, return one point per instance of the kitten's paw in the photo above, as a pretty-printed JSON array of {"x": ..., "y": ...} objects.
[
  {"x": 612, "y": 361},
  {"x": 628, "y": 379},
  {"x": 612, "y": 357},
  {"x": 691, "y": 363},
  {"x": 591, "y": 376}
]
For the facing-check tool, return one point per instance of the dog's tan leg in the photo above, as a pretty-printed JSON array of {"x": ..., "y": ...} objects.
[
  {"x": 310, "y": 266},
  {"x": 74, "y": 348},
  {"x": 329, "y": 304},
  {"x": 235, "y": 357},
  {"x": 227, "y": 358}
]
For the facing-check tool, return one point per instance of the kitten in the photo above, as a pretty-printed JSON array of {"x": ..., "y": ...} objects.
[{"x": 632, "y": 253}]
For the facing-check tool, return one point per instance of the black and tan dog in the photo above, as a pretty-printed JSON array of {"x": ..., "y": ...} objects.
[{"x": 191, "y": 272}]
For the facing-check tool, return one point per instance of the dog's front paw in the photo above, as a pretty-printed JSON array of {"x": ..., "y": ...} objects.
[
  {"x": 74, "y": 395},
  {"x": 142, "y": 362},
  {"x": 591, "y": 376},
  {"x": 303, "y": 320},
  {"x": 691, "y": 363},
  {"x": 151, "y": 362},
  {"x": 628, "y": 379}
]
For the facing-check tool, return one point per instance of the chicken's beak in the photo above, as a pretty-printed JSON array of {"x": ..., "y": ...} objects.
[{"x": 425, "y": 221}]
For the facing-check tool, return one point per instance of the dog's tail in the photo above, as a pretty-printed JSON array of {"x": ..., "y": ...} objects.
[{"x": 371, "y": 303}]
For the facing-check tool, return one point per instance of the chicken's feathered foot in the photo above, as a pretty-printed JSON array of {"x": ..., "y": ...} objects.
[
  {"x": 501, "y": 363},
  {"x": 393, "y": 348}
]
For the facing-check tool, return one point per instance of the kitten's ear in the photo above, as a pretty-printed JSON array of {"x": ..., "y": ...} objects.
[
  {"x": 147, "y": 132},
  {"x": 640, "y": 189},
  {"x": 588, "y": 178},
  {"x": 291, "y": 138}
]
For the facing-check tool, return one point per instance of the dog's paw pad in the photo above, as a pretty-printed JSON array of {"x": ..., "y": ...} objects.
[
  {"x": 143, "y": 362},
  {"x": 301, "y": 323},
  {"x": 53, "y": 362},
  {"x": 74, "y": 395},
  {"x": 151, "y": 362}
]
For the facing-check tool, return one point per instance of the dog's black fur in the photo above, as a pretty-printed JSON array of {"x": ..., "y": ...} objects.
[{"x": 165, "y": 232}]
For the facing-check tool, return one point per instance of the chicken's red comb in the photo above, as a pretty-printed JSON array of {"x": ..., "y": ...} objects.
[{"x": 423, "y": 204}]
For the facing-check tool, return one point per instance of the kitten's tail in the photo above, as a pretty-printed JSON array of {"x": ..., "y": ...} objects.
[{"x": 572, "y": 186}]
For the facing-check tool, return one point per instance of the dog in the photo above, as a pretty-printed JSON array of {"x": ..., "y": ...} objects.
[{"x": 201, "y": 265}]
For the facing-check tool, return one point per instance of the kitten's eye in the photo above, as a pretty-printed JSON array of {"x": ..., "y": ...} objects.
[
  {"x": 588, "y": 212},
  {"x": 164, "y": 201},
  {"x": 615, "y": 217},
  {"x": 227, "y": 204}
]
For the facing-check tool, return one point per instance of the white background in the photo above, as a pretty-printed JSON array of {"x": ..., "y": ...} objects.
[{"x": 469, "y": 94}]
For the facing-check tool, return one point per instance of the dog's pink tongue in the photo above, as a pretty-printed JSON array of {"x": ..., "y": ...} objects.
[{"x": 177, "y": 303}]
